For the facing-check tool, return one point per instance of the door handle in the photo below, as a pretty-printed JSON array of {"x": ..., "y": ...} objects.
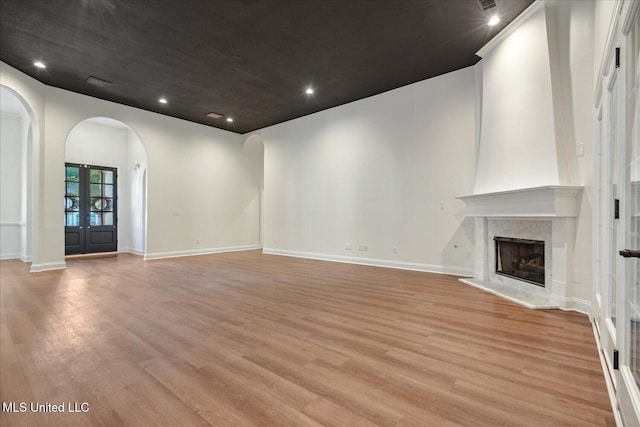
[{"x": 630, "y": 253}]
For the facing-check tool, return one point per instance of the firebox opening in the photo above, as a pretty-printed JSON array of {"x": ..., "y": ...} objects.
[{"x": 521, "y": 259}]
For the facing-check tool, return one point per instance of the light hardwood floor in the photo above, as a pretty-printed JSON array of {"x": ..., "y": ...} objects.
[{"x": 251, "y": 339}]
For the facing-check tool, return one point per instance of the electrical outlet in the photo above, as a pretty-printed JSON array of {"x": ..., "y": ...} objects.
[
  {"x": 197, "y": 241},
  {"x": 363, "y": 247},
  {"x": 395, "y": 250},
  {"x": 348, "y": 246},
  {"x": 175, "y": 213},
  {"x": 442, "y": 206}
]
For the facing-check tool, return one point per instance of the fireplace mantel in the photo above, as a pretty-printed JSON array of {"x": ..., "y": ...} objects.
[
  {"x": 537, "y": 202},
  {"x": 553, "y": 208}
]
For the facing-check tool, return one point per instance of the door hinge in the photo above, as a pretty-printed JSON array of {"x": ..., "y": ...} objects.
[
  {"x": 617, "y": 57},
  {"x": 615, "y": 359},
  {"x": 616, "y": 209}
]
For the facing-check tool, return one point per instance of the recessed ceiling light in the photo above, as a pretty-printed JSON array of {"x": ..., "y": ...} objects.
[
  {"x": 213, "y": 115},
  {"x": 230, "y": 119},
  {"x": 162, "y": 100},
  {"x": 309, "y": 91},
  {"x": 493, "y": 21},
  {"x": 39, "y": 64}
]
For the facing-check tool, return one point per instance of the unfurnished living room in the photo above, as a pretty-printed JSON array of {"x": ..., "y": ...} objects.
[{"x": 320, "y": 212}]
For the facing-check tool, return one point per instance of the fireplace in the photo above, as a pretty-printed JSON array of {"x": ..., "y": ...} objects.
[
  {"x": 521, "y": 259},
  {"x": 542, "y": 216}
]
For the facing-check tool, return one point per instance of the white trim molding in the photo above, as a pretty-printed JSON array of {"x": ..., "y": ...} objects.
[
  {"x": 535, "y": 202},
  {"x": 46, "y": 266},
  {"x": 131, "y": 251},
  {"x": 194, "y": 252},
  {"x": 427, "y": 268}
]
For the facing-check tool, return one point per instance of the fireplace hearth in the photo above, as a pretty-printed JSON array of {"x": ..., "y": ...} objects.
[{"x": 521, "y": 259}]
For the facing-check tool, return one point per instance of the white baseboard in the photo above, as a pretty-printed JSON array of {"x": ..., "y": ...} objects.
[
  {"x": 576, "y": 304},
  {"x": 192, "y": 252},
  {"x": 21, "y": 257},
  {"x": 36, "y": 268},
  {"x": 131, "y": 251},
  {"x": 428, "y": 268}
]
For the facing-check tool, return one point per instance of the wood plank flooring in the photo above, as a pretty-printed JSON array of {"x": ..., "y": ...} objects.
[{"x": 247, "y": 339}]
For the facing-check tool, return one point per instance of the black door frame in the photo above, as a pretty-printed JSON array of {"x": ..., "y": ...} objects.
[{"x": 85, "y": 232}]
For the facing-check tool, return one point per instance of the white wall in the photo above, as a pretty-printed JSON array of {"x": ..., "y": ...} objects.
[
  {"x": 383, "y": 171},
  {"x": 11, "y": 158},
  {"x": 575, "y": 23},
  {"x": 195, "y": 170},
  {"x": 518, "y": 142},
  {"x": 253, "y": 152},
  {"x": 137, "y": 167},
  {"x": 27, "y": 193},
  {"x": 31, "y": 95},
  {"x": 15, "y": 152},
  {"x": 200, "y": 193}
]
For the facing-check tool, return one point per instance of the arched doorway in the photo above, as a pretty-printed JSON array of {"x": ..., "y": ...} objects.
[
  {"x": 18, "y": 176},
  {"x": 115, "y": 154}
]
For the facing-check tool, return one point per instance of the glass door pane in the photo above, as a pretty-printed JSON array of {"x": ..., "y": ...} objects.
[
  {"x": 72, "y": 197},
  {"x": 101, "y": 194},
  {"x": 611, "y": 279}
]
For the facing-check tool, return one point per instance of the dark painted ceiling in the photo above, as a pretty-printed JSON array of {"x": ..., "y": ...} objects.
[{"x": 250, "y": 60}]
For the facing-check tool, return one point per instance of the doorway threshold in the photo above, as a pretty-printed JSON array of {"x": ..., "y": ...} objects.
[{"x": 94, "y": 255}]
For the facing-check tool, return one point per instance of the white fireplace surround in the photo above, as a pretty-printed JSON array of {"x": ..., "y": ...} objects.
[{"x": 542, "y": 213}]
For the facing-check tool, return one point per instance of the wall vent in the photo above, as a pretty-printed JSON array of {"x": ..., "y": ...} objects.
[
  {"x": 487, "y": 4},
  {"x": 97, "y": 82}
]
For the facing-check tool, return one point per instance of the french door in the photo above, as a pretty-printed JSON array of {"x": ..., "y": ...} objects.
[
  {"x": 91, "y": 209},
  {"x": 606, "y": 305},
  {"x": 616, "y": 306},
  {"x": 630, "y": 239}
]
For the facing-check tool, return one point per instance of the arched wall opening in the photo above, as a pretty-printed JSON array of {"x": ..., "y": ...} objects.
[
  {"x": 102, "y": 141},
  {"x": 253, "y": 150},
  {"x": 19, "y": 177}
]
